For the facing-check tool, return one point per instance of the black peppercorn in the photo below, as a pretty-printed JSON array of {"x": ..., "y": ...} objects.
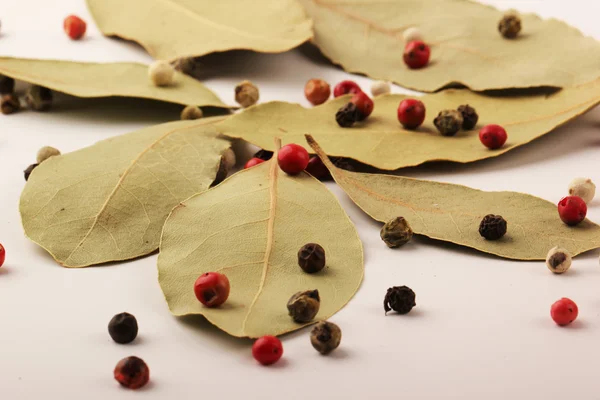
[
  {"x": 39, "y": 98},
  {"x": 10, "y": 104},
  {"x": 492, "y": 227},
  {"x": 347, "y": 115},
  {"x": 263, "y": 154},
  {"x": 29, "y": 170},
  {"x": 400, "y": 299},
  {"x": 448, "y": 122},
  {"x": 325, "y": 337},
  {"x": 311, "y": 257},
  {"x": 123, "y": 328},
  {"x": 396, "y": 232},
  {"x": 469, "y": 115},
  {"x": 510, "y": 26},
  {"x": 304, "y": 306},
  {"x": 7, "y": 85}
]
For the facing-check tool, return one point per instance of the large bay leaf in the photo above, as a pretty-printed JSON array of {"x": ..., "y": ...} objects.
[
  {"x": 250, "y": 227},
  {"x": 366, "y": 37},
  {"x": 106, "y": 80},
  {"x": 169, "y": 29},
  {"x": 108, "y": 202},
  {"x": 381, "y": 142},
  {"x": 452, "y": 213}
]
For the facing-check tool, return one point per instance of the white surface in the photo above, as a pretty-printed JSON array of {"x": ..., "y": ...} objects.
[{"x": 481, "y": 328}]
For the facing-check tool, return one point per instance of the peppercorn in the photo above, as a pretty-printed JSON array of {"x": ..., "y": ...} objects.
[
  {"x": 317, "y": 91},
  {"x": 564, "y": 311},
  {"x": 38, "y": 98},
  {"x": 132, "y": 372},
  {"x": 510, "y": 25},
  {"x": 416, "y": 54},
  {"x": 396, "y": 232},
  {"x": 492, "y": 227},
  {"x": 2, "y": 255},
  {"x": 263, "y": 155},
  {"x": 572, "y": 210},
  {"x": 317, "y": 169},
  {"x": 267, "y": 350},
  {"x": 412, "y": 34},
  {"x": 246, "y": 94},
  {"x": 191, "y": 112},
  {"x": 304, "y": 306},
  {"x": 411, "y": 113},
  {"x": 400, "y": 299},
  {"x": 186, "y": 65},
  {"x": 493, "y": 136},
  {"x": 252, "y": 162},
  {"x": 212, "y": 289},
  {"x": 469, "y": 115},
  {"x": 558, "y": 260},
  {"x": 347, "y": 115},
  {"x": 379, "y": 88},
  {"x": 10, "y": 103},
  {"x": 29, "y": 170},
  {"x": 123, "y": 328},
  {"x": 346, "y": 87},
  {"x": 325, "y": 337},
  {"x": 584, "y": 188},
  {"x": 311, "y": 258},
  {"x": 364, "y": 105},
  {"x": 292, "y": 159},
  {"x": 448, "y": 122},
  {"x": 7, "y": 85},
  {"x": 161, "y": 73},
  {"x": 45, "y": 153},
  {"x": 74, "y": 27}
]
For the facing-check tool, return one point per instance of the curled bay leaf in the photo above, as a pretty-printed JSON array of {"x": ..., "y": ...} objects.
[
  {"x": 107, "y": 80},
  {"x": 250, "y": 228},
  {"x": 452, "y": 213},
  {"x": 381, "y": 141},
  {"x": 170, "y": 29},
  {"x": 108, "y": 202},
  {"x": 366, "y": 37}
]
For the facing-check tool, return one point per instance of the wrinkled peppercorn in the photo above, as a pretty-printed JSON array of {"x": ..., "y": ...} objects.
[
  {"x": 304, "y": 306},
  {"x": 347, "y": 115},
  {"x": 492, "y": 227},
  {"x": 400, "y": 299},
  {"x": 10, "y": 104},
  {"x": 396, "y": 232},
  {"x": 7, "y": 85},
  {"x": 186, "y": 65},
  {"x": 448, "y": 122},
  {"x": 311, "y": 257},
  {"x": 469, "y": 115},
  {"x": 132, "y": 372},
  {"x": 325, "y": 337},
  {"x": 38, "y": 98},
  {"x": 510, "y": 26},
  {"x": 263, "y": 155},
  {"x": 123, "y": 328},
  {"x": 29, "y": 170}
]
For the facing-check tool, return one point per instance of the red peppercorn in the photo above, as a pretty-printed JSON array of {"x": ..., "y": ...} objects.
[
  {"x": 572, "y": 210},
  {"x": 292, "y": 159},
  {"x": 345, "y": 87},
  {"x": 493, "y": 136},
  {"x": 267, "y": 350},
  {"x": 411, "y": 113},
  {"x": 212, "y": 289},
  {"x": 132, "y": 372},
  {"x": 564, "y": 311},
  {"x": 317, "y": 91},
  {"x": 74, "y": 27},
  {"x": 416, "y": 54},
  {"x": 363, "y": 104},
  {"x": 2, "y": 255},
  {"x": 253, "y": 161},
  {"x": 317, "y": 169}
]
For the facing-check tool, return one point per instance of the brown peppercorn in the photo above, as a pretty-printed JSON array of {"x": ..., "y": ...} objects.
[
  {"x": 246, "y": 94},
  {"x": 469, "y": 115},
  {"x": 448, "y": 122},
  {"x": 191, "y": 112},
  {"x": 29, "y": 170},
  {"x": 347, "y": 115},
  {"x": 311, "y": 258},
  {"x": 510, "y": 26},
  {"x": 325, "y": 337},
  {"x": 400, "y": 299},
  {"x": 396, "y": 232},
  {"x": 10, "y": 104},
  {"x": 492, "y": 227},
  {"x": 186, "y": 65},
  {"x": 304, "y": 306},
  {"x": 317, "y": 91},
  {"x": 7, "y": 85},
  {"x": 38, "y": 98}
]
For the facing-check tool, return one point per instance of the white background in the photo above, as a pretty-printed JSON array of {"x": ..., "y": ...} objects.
[{"x": 481, "y": 328}]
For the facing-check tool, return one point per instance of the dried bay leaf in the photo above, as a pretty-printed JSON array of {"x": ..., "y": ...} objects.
[
  {"x": 107, "y": 80},
  {"x": 452, "y": 213},
  {"x": 108, "y": 202},
  {"x": 170, "y": 29},
  {"x": 250, "y": 227},
  {"x": 366, "y": 37},
  {"x": 381, "y": 141}
]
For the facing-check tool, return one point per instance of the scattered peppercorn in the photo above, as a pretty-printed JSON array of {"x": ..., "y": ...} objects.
[
  {"x": 304, "y": 306},
  {"x": 317, "y": 91},
  {"x": 161, "y": 73},
  {"x": 510, "y": 26},
  {"x": 379, "y": 88},
  {"x": 363, "y": 104},
  {"x": 584, "y": 188},
  {"x": 558, "y": 260},
  {"x": 264, "y": 154},
  {"x": 317, "y": 169},
  {"x": 572, "y": 210},
  {"x": 246, "y": 94},
  {"x": 45, "y": 153},
  {"x": 311, "y": 258},
  {"x": 416, "y": 54},
  {"x": 7, "y": 85},
  {"x": 412, "y": 34},
  {"x": 74, "y": 27},
  {"x": 396, "y": 232},
  {"x": 469, "y": 115},
  {"x": 267, "y": 350},
  {"x": 191, "y": 112},
  {"x": 29, "y": 170},
  {"x": 411, "y": 113},
  {"x": 38, "y": 98},
  {"x": 400, "y": 299},
  {"x": 346, "y": 87},
  {"x": 10, "y": 103},
  {"x": 347, "y": 115},
  {"x": 448, "y": 122},
  {"x": 212, "y": 289},
  {"x": 252, "y": 162},
  {"x": 492, "y": 227},
  {"x": 292, "y": 159},
  {"x": 493, "y": 136},
  {"x": 132, "y": 372},
  {"x": 325, "y": 337},
  {"x": 186, "y": 65},
  {"x": 564, "y": 311},
  {"x": 123, "y": 328},
  {"x": 2, "y": 255}
]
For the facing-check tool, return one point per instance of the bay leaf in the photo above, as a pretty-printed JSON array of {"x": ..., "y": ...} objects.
[
  {"x": 170, "y": 29},
  {"x": 107, "y": 80},
  {"x": 381, "y": 141},
  {"x": 452, "y": 213},
  {"x": 108, "y": 202},
  {"x": 250, "y": 227},
  {"x": 466, "y": 47}
]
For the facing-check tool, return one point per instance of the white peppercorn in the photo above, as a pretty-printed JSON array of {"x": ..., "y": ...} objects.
[
  {"x": 161, "y": 73},
  {"x": 45, "y": 153},
  {"x": 411, "y": 34},
  {"x": 584, "y": 188},
  {"x": 246, "y": 94},
  {"x": 191, "y": 112},
  {"x": 558, "y": 260},
  {"x": 380, "y": 87}
]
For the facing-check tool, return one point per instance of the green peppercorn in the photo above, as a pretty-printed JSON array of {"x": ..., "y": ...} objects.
[
  {"x": 38, "y": 98},
  {"x": 396, "y": 232},
  {"x": 311, "y": 258},
  {"x": 304, "y": 306},
  {"x": 325, "y": 337},
  {"x": 448, "y": 122}
]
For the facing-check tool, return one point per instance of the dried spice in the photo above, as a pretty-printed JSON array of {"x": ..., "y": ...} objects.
[
  {"x": 396, "y": 232},
  {"x": 29, "y": 170},
  {"x": 212, "y": 289},
  {"x": 564, "y": 311},
  {"x": 347, "y": 115},
  {"x": 364, "y": 105},
  {"x": 584, "y": 188},
  {"x": 492, "y": 227},
  {"x": 45, "y": 153},
  {"x": 412, "y": 34},
  {"x": 304, "y": 306},
  {"x": 161, "y": 73},
  {"x": 572, "y": 210},
  {"x": 246, "y": 94},
  {"x": 317, "y": 91},
  {"x": 191, "y": 112},
  {"x": 317, "y": 169},
  {"x": 416, "y": 54},
  {"x": 10, "y": 103},
  {"x": 493, "y": 136},
  {"x": 132, "y": 372},
  {"x": 510, "y": 26},
  {"x": 558, "y": 260},
  {"x": 123, "y": 328},
  {"x": 325, "y": 337},
  {"x": 448, "y": 122},
  {"x": 469, "y": 115},
  {"x": 292, "y": 159},
  {"x": 400, "y": 299},
  {"x": 38, "y": 98},
  {"x": 346, "y": 87},
  {"x": 2, "y": 255},
  {"x": 74, "y": 27},
  {"x": 311, "y": 258},
  {"x": 186, "y": 65},
  {"x": 7, "y": 85},
  {"x": 267, "y": 350},
  {"x": 379, "y": 88}
]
